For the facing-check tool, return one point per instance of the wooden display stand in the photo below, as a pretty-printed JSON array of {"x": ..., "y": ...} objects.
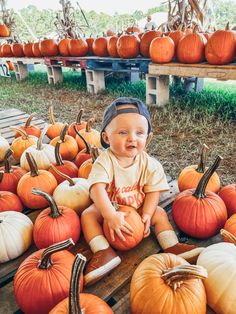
[{"x": 157, "y": 83}]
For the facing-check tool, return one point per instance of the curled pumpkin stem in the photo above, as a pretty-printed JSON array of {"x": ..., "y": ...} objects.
[
  {"x": 202, "y": 162},
  {"x": 229, "y": 236},
  {"x": 174, "y": 277},
  {"x": 40, "y": 139},
  {"x": 89, "y": 125},
  {"x": 64, "y": 132},
  {"x": 79, "y": 116},
  {"x": 7, "y": 164},
  {"x": 23, "y": 134},
  {"x": 71, "y": 182},
  {"x": 28, "y": 121},
  {"x": 51, "y": 115}
]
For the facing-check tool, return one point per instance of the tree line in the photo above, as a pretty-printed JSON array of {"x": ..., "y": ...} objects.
[{"x": 32, "y": 22}]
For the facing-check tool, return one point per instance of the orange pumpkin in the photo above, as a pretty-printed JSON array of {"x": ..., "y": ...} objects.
[
  {"x": 54, "y": 128},
  {"x": 128, "y": 46},
  {"x": 230, "y": 226},
  {"x": 4, "y": 31},
  {"x": 80, "y": 302},
  {"x": 200, "y": 212},
  {"x": 40, "y": 179},
  {"x": 10, "y": 176},
  {"x": 176, "y": 36},
  {"x": 146, "y": 40},
  {"x": 79, "y": 124},
  {"x": 191, "y": 48},
  {"x": 20, "y": 144},
  {"x": 68, "y": 148},
  {"x": 133, "y": 29},
  {"x": 29, "y": 128},
  {"x": 110, "y": 33},
  {"x": 191, "y": 175},
  {"x": 228, "y": 195},
  {"x": 10, "y": 202},
  {"x": 6, "y": 50},
  {"x": 78, "y": 47},
  {"x": 63, "y": 47},
  {"x": 166, "y": 283},
  {"x": 44, "y": 277},
  {"x": 48, "y": 47},
  {"x": 134, "y": 220},
  {"x": 28, "y": 50},
  {"x": 55, "y": 223},
  {"x": 162, "y": 49},
  {"x": 100, "y": 47},
  {"x": 10, "y": 66},
  {"x": 65, "y": 166},
  {"x": 84, "y": 154},
  {"x": 112, "y": 46},
  {"x": 36, "y": 50},
  {"x": 17, "y": 50},
  {"x": 92, "y": 136},
  {"x": 86, "y": 167},
  {"x": 220, "y": 48}
]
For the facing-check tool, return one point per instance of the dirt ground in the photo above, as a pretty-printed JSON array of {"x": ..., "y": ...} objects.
[{"x": 177, "y": 136}]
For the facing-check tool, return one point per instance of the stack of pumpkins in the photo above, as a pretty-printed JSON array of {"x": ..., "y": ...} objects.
[
  {"x": 52, "y": 174},
  {"x": 166, "y": 283}
]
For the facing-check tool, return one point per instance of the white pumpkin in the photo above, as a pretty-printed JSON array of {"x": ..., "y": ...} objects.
[
  {"x": 72, "y": 193},
  {"x": 16, "y": 230},
  {"x": 4, "y": 146},
  {"x": 43, "y": 154},
  {"x": 220, "y": 262}
]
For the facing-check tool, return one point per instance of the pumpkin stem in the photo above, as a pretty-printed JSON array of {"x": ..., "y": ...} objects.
[
  {"x": 55, "y": 212},
  {"x": 40, "y": 139},
  {"x": 59, "y": 161},
  {"x": 34, "y": 172},
  {"x": 175, "y": 276},
  {"x": 201, "y": 165},
  {"x": 63, "y": 132},
  {"x": 77, "y": 270},
  {"x": 84, "y": 140},
  {"x": 28, "y": 121},
  {"x": 79, "y": 116},
  {"x": 200, "y": 189},
  {"x": 45, "y": 261},
  {"x": 1, "y": 176},
  {"x": 7, "y": 164},
  {"x": 71, "y": 182},
  {"x": 23, "y": 134},
  {"x": 227, "y": 27},
  {"x": 229, "y": 236},
  {"x": 89, "y": 125}
]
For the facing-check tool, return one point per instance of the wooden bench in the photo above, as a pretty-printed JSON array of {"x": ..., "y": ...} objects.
[
  {"x": 157, "y": 79},
  {"x": 114, "y": 288}
]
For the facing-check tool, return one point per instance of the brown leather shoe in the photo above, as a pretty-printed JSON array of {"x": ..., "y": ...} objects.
[
  {"x": 188, "y": 251},
  {"x": 100, "y": 265}
]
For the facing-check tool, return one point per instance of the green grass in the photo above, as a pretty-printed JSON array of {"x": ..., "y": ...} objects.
[{"x": 217, "y": 98}]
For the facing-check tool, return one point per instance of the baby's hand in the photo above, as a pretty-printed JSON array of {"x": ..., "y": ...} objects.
[
  {"x": 117, "y": 224},
  {"x": 146, "y": 219}
]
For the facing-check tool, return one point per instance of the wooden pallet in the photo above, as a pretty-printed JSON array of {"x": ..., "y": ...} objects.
[
  {"x": 15, "y": 117},
  {"x": 72, "y": 62},
  {"x": 118, "y": 65}
]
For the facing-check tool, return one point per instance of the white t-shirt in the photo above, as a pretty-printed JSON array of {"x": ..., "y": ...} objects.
[
  {"x": 128, "y": 186},
  {"x": 150, "y": 26}
]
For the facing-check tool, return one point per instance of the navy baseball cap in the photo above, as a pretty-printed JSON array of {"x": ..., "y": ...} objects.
[{"x": 113, "y": 110}]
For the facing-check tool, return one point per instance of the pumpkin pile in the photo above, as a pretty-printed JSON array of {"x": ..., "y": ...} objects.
[{"x": 182, "y": 45}]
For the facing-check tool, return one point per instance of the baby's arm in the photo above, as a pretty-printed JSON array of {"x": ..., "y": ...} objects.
[
  {"x": 150, "y": 204},
  {"x": 115, "y": 220}
]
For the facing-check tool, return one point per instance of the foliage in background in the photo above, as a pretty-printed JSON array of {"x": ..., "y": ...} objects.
[{"x": 41, "y": 21}]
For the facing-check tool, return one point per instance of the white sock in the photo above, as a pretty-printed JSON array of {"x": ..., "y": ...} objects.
[
  {"x": 167, "y": 239},
  {"x": 98, "y": 243}
]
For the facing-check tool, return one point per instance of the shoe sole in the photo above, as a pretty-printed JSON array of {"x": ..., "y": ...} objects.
[{"x": 97, "y": 274}]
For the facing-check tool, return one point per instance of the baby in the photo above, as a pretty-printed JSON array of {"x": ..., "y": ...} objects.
[{"x": 126, "y": 174}]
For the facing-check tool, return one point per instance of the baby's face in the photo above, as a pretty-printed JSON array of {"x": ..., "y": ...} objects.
[{"x": 127, "y": 134}]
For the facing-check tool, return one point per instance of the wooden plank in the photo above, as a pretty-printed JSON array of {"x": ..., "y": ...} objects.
[
  {"x": 20, "y": 120},
  {"x": 10, "y": 113},
  {"x": 196, "y": 70}
]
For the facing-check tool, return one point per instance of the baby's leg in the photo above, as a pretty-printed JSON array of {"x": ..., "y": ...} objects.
[
  {"x": 168, "y": 240},
  {"x": 104, "y": 257}
]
